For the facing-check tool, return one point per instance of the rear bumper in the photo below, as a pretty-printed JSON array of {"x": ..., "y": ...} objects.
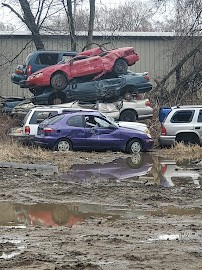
[{"x": 166, "y": 140}]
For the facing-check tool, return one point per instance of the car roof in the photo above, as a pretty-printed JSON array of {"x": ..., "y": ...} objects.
[
  {"x": 83, "y": 112},
  {"x": 64, "y": 109},
  {"x": 186, "y": 107},
  {"x": 53, "y": 51}
]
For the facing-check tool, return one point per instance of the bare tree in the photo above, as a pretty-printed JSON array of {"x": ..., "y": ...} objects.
[
  {"x": 33, "y": 22},
  {"x": 186, "y": 69}
]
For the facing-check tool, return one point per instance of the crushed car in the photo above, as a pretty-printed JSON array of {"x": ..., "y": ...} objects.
[
  {"x": 36, "y": 61},
  {"x": 123, "y": 110},
  {"x": 105, "y": 89},
  {"x": 85, "y": 64}
]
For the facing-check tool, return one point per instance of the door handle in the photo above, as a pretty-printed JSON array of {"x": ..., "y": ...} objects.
[{"x": 197, "y": 127}]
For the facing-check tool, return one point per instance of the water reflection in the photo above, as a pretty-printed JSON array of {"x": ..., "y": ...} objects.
[
  {"x": 68, "y": 214},
  {"x": 150, "y": 169},
  {"x": 118, "y": 169}
]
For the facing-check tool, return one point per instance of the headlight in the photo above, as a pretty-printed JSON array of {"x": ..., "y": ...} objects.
[
  {"x": 148, "y": 133},
  {"x": 38, "y": 75}
]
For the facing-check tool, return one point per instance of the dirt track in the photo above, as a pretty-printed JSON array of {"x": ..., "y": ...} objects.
[{"x": 88, "y": 219}]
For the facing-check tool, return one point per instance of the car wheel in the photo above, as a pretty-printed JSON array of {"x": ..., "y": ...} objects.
[
  {"x": 56, "y": 99},
  {"x": 135, "y": 161},
  {"x": 128, "y": 96},
  {"x": 59, "y": 81},
  {"x": 120, "y": 67},
  {"x": 134, "y": 146},
  {"x": 63, "y": 145},
  {"x": 187, "y": 138},
  {"x": 128, "y": 116}
]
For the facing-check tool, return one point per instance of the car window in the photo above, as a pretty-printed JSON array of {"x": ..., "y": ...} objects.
[
  {"x": 75, "y": 121},
  {"x": 200, "y": 117},
  {"x": 27, "y": 59},
  {"x": 94, "y": 121},
  {"x": 182, "y": 116},
  {"x": 39, "y": 116},
  {"x": 47, "y": 59},
  {"x": 54, "y": 119}
]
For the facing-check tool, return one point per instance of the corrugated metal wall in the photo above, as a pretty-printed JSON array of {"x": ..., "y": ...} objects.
[{"x": 154, "y": 55}]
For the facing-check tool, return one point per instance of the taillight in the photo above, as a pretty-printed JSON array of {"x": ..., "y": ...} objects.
[
  {"x": 18, "y": 71},
  {"x": 147, "y": 103},
  {"x": 147, "y": 77},
  {"x": 27, "y": 130},
  {"x": 163, "y": 168},
  {"x": 48, "y": 131},
  {"x": 29, "y": 70},
  {"x": 163, "y": 130}
]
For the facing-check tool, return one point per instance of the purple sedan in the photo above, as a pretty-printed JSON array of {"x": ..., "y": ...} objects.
[{"x": 89, "y": 130}]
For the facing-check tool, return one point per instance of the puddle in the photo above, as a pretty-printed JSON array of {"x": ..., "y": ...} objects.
[
  {"x": 174, "y": 237},
  {"x": 11, "y": 248},
  {"x": 143, "y": 167},
  {"x": 51, "y": 215}
]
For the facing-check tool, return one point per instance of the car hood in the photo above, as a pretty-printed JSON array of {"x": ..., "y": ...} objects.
[{"x": 133, "y": 125}]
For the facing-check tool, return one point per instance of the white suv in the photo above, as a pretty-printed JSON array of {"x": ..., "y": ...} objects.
[{"x": 182, "y": 124}]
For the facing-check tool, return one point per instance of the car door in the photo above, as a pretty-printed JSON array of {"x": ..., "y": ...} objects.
[
  {"x": 82, "y": 90},
  {"x": 198, "y": 123},
  {"x": 101, "y": 134},
  {"x": 87, "y": 66}
]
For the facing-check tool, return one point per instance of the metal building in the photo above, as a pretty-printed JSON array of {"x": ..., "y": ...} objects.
[{"x": 154, "y": 49}]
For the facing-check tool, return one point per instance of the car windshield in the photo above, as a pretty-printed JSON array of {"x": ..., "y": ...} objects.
[{"x": 111, "y": 120}]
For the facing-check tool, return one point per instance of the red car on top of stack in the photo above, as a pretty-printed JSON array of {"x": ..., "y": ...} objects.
[{"x": 94, "y": 62}]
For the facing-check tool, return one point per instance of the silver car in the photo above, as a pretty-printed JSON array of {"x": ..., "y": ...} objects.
[{"x": 182, "y": 124}]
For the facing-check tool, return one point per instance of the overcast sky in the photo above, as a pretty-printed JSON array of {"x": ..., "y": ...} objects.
[{"x": 6, "y": 16}]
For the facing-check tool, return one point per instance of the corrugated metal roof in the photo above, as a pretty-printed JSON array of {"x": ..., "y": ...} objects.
[{"x": 96, "y": 34}]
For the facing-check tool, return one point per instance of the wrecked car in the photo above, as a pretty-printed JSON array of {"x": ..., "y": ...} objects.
[
  {"x": 97, "y": 64},
  {"x": 38, "y": 60},
  {"x": 89, "y": 130},
  {"x": 122, "y": 110},
  {"x": 105, "y": 89}
]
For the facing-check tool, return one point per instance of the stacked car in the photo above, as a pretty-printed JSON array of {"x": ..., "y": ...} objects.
[{"x": 90, "y": 81}]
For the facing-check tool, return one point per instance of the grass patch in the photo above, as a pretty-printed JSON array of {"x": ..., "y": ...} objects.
[{"x": 183, "y": 152}]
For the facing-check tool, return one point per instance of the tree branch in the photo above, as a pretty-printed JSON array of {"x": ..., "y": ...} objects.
[{"x": 14, "y": 11}]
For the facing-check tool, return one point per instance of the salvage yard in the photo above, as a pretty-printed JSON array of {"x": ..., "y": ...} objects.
[{"x": 102, "y": 210}]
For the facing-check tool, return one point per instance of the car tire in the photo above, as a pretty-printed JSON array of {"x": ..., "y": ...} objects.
[
  {"x": 56, "y": 99},
  {"x": 63, "y": 145},
  {"x": 128, "y": 116},
  {"x": 134, "y": 146},
  {"x": 59, "y": 81},
  {"x": 128, "y": 96},
  {"x": 187, "y": 138},
  {"x": 135, "y": 161},
  {"x": 120, "y": 67}
]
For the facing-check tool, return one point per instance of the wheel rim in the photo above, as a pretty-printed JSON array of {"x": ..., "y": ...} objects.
[
  {"x": 120, "y": 67},
  {"x": 135, "y": 147},
  {"x": 57, "y": 101},
  {"x": 58, "y": 82},
  {"x": 136, "y": 158},
  {"x": 63, "y": 146}
]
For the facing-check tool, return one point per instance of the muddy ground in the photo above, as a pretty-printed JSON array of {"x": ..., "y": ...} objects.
[{"x": 116, "y": 212}]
